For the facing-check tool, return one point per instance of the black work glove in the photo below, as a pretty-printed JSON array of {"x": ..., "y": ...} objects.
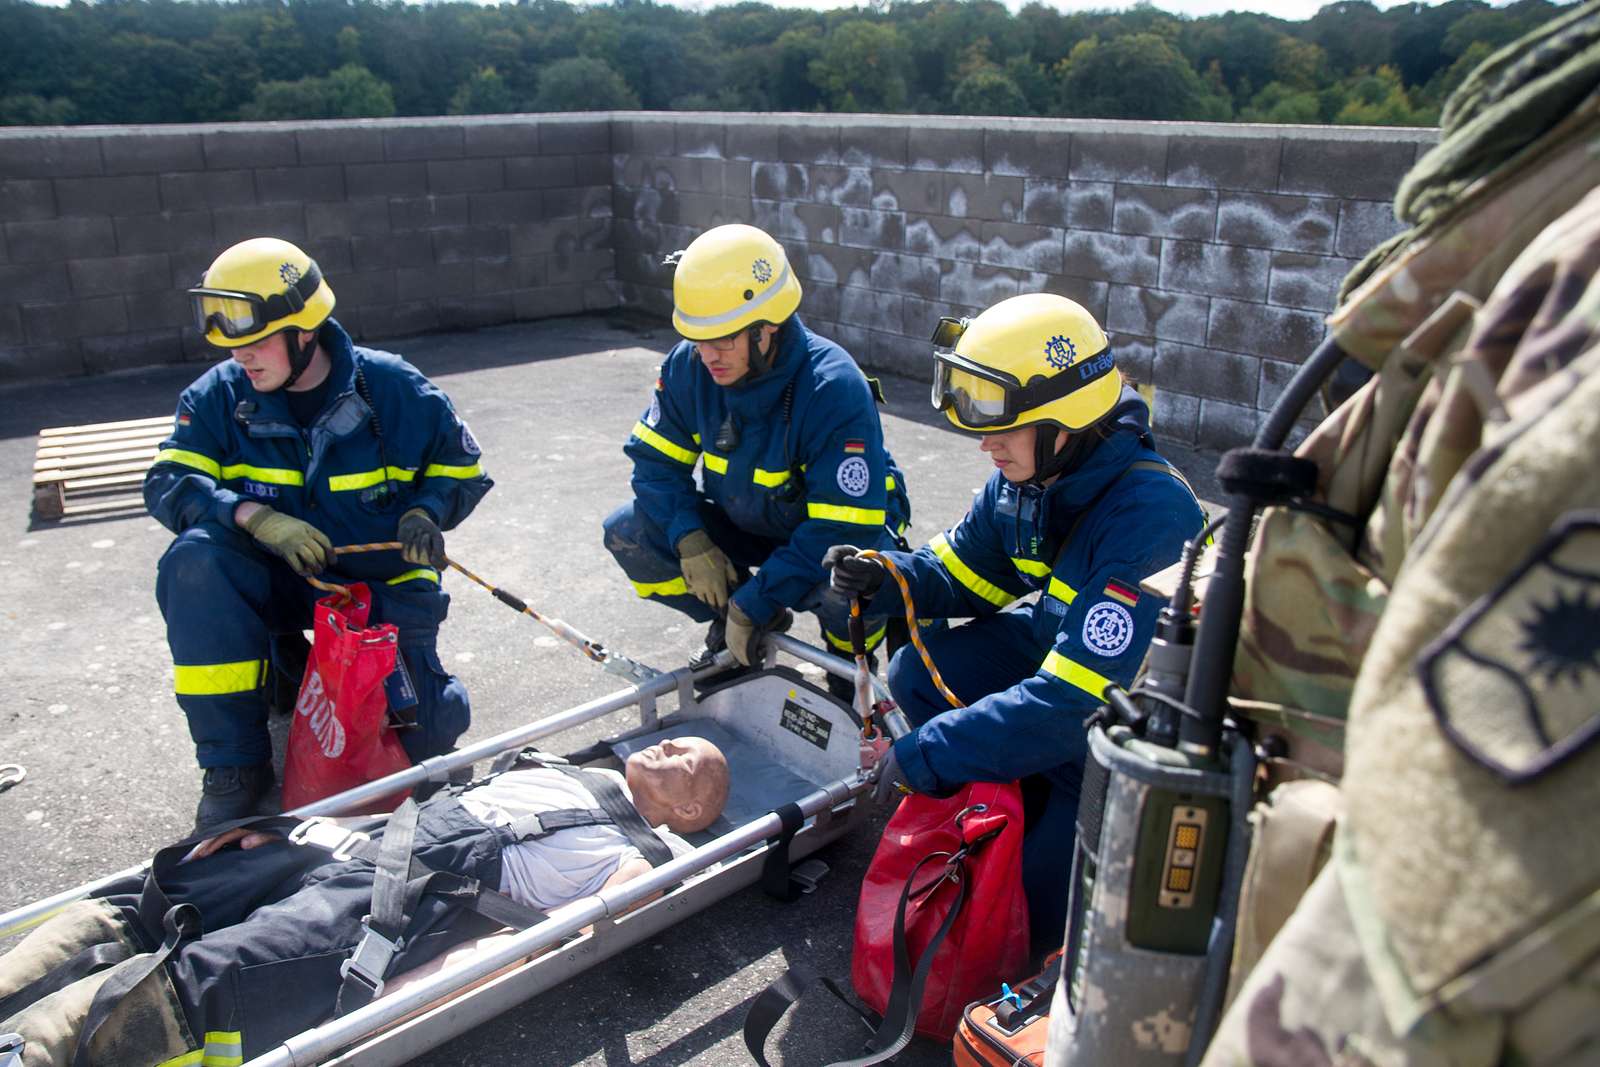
[
  {"x": 421, "y": 540},
  {"x": 891, "y": 779},
  {"x": 853, "y": 576},
  {"x": 744, "y": 637}
]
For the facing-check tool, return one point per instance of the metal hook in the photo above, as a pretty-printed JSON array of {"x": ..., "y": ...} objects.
[{"x": 11, "y": 774}]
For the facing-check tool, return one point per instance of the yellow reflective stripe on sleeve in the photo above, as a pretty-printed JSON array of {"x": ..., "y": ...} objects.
[
  {"x": 1074, "y": 673},
  {"x": 668, "y": 588},
  {"x": 185, "y": 458},
  {"x": 340, "y": 483},
  {"x": 844, "y": 645},
  {"x": 889, "y": 483},
  {"x": 425, "y": 573},
  {"x": 1038, "y": 568},
  {"x": 838, "y": 513},
  {"x": 966, "y": 575},
  {"x": 1061, "y": 591},
  {"x": 441, "y": 470},
  {"x": 270, "y": 475},
  {"x": 714, "y": 463},
  {"x": 215, "y": 679},
  {"x": 224, "y": 1048},
  {"x": 664, "y": 446},
  {"x": 769, "y": 478}
]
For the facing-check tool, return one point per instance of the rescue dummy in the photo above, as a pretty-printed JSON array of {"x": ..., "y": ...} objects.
[
  {"x": 1080, "y": 508},
  {"x": 785, "y": 429},
  {"x": 269, "y": 926},
  {"x": 298, "y": 442}
]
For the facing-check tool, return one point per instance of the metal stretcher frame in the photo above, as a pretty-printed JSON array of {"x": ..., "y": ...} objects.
[{"x": 450, "y": 1002}]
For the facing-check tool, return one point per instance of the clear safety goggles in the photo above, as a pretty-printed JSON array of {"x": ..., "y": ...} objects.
[
  {"x": 234, "y": 313},
  {"x": 983, "y": 397}
]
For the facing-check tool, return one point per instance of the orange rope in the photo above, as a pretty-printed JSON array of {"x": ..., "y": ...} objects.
[{"x": 911, "y": 623}]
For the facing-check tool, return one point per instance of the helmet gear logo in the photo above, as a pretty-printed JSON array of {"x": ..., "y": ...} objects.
[
  {"x": 289, "y": 273},
  {"x": 1059, "y": 352},
  {"x": 854, "y": 476},
  {"x": 761, "y": 270},
  {"x": 1108, "y": 629}
]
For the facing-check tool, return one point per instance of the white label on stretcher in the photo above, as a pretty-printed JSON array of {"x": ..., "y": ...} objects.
[{"x": 318, "y": 711}]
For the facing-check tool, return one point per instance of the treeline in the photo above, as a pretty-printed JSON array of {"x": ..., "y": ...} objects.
[{"x": 132, "y": 61}]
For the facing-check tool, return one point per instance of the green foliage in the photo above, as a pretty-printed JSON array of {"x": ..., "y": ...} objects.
[
  {"x": 580, "y": 84},
  {"x": 123, "y": 61}
]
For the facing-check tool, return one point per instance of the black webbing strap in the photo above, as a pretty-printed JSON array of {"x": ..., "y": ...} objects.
[
  {"x": 87, "y": 961},
  {"x": 1012, "y": 1014},
  {"x": 532, "y": 827},
  {"x": 394, "y": 897},
  {"x": 608, "y": 794},
  {"x": 776, "y": 880},
  {"x": 181, "y": 923},
  {"x": 899, "y": 1021}
]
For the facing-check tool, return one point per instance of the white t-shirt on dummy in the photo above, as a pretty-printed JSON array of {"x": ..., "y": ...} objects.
[{"x": 550, "y": 871}]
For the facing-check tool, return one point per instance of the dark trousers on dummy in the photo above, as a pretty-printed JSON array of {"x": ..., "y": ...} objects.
[
  {"x": 975, "y": 659},
  {"x": 223, "y": 598},
  {"x": 276, "y": 923},
  {"x": 651, "y": 563}
]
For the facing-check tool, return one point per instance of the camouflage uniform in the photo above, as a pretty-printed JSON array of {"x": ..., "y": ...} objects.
[{"x": 1459, "y": 920}]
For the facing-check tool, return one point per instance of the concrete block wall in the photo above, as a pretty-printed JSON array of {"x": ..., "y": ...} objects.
[
  {"x": 1210, "y": 252},
  {"x": 420, "y": 224}
]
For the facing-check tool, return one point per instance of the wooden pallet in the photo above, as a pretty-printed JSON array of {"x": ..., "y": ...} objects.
[{"x": 82, "y": 470}]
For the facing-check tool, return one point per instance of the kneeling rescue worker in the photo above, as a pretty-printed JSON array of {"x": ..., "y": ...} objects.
[
  {"x": 1080, "y": 508},
  {"x": 299, "y": 442},
  {"x": 786, "y": 429}
]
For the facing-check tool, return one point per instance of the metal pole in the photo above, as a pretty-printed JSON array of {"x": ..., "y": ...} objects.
[
  {"x": 320, "y": 1043},
  {"x": 843, "y": 668},
  {"x": 436, "y": 769}
]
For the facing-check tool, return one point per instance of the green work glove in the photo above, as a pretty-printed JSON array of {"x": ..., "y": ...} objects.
[
  {"x": 421, "y": 540},
  {"x": 707, "y": 571},
  {"x": 303, "y": 547},
  {"x": 744, "y": 637}
]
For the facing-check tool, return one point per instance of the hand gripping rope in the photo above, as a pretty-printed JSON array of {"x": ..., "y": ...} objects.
[{"x": 594, "y": 650}]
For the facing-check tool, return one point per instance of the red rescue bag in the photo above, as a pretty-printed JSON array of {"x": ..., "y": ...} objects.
[
  {"x": 340, "y": 737},
  {"x": 946, "y": 880}
]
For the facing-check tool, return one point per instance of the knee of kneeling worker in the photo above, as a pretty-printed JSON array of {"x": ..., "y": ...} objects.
[
  {"x": 443, "y": 713},
  {"x": 912, "y": 687},
  {"x": 196, "y": 561},
  {"x": 621, "y": 530}
]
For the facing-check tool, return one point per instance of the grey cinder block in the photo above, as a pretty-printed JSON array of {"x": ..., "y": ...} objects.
[
  {"x": 1363, "y": 225},
  {"x": 747, "y": 141},
  {"x": 25, "y": 283},
  {"x": 591, "y": 168},
  {"x": 1031, "y": 154},
  {"x": 1112, "y": 257},
  {"x": 500, "y": 139},
  {"x": 1288, "y": 223},
  {"x": 331, "y": 253},
  {"x": 906, "y": 275},
  {"x": 1158, "y": 211},
  {"x": 246, "y": 148},
  {"x": 1176, "y": 416},
  {"x": 809, "y": 141},
  {"x": 205, "y": 189},
  {"x": 978, "y": 285},
  {"x": 945, "y": 148},
  {"x": 377, "y": 252},
  {"x": 70, "y": 320},
  {"x": 577, "y": 267},
  {"x": 516, "y": 205},
  {"x": 1224, "y": 163},
  {"x": 1044, "y": 203},
  {"x": 119, "y": 274},
  {"x": 360, "y": 288},
  {"x": 44, "y": 156},
  {"x": 54, "y": 240},
  {"x": 300, "y": 184},
  {"x": 897, "y": 353},
  {"x": 548, "y": 301},
  {"x": 386, "y": 179},
  {"x": 1035, "y": 248},
  {"x": 147, "y": 152},
  {"x": 872, "y": 310},
  {"x": 423, "y": 212},
  {"x": 328, "y": 143},
  {"x": 983, "y": 196},
  {"x": 132, "y": 194},
  {"x": 1303, "y": 281},
  {"x": 1135, "y": 358},
  {"x": 27, "y": 200},
  {"x": 874, "y": 146},
  {"x": 845, "y": 186},
  {"x": 1223, "y": 425},
  {"x": 780, "y": 181},
  {"x": 575, "y": 136},
  {"x": 261, "y": 220},
  {"x": 699, "y": 140},
  {"x": 1368, "y": 169},
  {"x": 908, "y": 190},
  {"x": 1216, "y": 270},
  {"x": 399, "y": 320},
  {"x": 1093, "y": 295},
  {"x": 1090, "y": 205},
  {"x": 538, "y": 172},
  {"x": 1119, "y": 157},
  {"x": 469, "y": 242},
  {"x": 140, "y": 348},
  {"x": 832, "y": 264},
  {"x": 1264, "y": 330},
  {"x": 405, "y": 143},
  {"x": 1157, "y": 313},
  {"x": 434, "y": 281},
  {"x": 944, "y": 238},
  {"x": 1206, "y": 373},
  {"x": 166, "y": 232},
  {"x": 465, "y": 175},
  {"x": 872, "y": 229},
  {"x": 475, "y": 312}
]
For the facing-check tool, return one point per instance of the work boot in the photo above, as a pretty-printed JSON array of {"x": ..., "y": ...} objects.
[
  {"x": 229, "y": 793},
  {"x": 845, "y": 688}
]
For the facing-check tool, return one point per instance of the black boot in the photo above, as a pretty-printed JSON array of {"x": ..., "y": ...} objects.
[{"x": 229, "y": 793}]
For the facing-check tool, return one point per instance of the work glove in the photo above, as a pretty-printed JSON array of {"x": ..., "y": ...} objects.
[
  {"x": 302, "y": 546},
  {"x": 853, "y": 576},
  {"x": 707, "y": 571},
  {"x": 891, "y": 784},
  {"x": 744, "y": 637},
  {"x": 421, "y": 540}
]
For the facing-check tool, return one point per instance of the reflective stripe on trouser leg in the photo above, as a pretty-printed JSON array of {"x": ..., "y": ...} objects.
[
  {"x": 220, "y": 596},
  {"x": 640, "y": 547}
]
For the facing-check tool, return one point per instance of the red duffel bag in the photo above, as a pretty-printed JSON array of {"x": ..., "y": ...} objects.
[
  {"x": 340, "y": 737},
  {"x": 942, "y": 919}
]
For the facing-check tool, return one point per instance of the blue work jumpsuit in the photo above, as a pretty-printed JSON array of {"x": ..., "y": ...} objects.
[
  {"x": 1031, "y": 675},
  {"x": 382, "y": 445},
  {"x": 809, "y": 470}
]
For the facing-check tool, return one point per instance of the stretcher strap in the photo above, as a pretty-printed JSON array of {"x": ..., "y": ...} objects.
[
  {"x": 394, "y": 898},
  {"x": 91, "y": 960},
  {"x": 181, "y": 923},
  {"x": 777, "y": 880},
  {"x": 772, "y": 1002},
  {"x": 608, "y": 794}
]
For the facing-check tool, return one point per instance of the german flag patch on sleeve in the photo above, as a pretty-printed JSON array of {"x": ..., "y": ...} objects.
[
  {"x": 1125, "y": 594},
  {"x": 855, "y": 446}
]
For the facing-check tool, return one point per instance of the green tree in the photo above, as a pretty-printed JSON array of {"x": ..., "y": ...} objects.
[
  {"x": 1379, "y": 99},
  {"x": 485, "y": 93},
  {"x": 350, "y": 92},
  {"x": 989, "y": 92},
  {"x": 1136, "y": 76},
  {"x": 28, "y": 109},
  {"x": 864, "y": 66},
  {"x": 582, "y": 84}
]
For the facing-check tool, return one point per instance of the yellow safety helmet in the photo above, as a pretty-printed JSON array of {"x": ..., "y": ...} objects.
[
  {"x": 258, "y": 288},
  {"x": 1032, "y": 359},
  {"x": 728, "y": 279}
]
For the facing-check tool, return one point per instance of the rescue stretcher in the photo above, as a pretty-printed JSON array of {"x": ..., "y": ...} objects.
[{"x": 797, "y": 779}]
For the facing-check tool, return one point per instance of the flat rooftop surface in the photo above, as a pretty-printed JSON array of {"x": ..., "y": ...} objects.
[{"x": 89, "y": 711}]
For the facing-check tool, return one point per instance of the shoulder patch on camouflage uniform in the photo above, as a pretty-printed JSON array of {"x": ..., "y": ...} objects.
[{"x": 1512, "y": 680}]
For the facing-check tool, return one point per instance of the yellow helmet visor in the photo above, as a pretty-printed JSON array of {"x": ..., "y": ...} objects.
[
  {"x": 238, "y": 314},
  {"x": 982, "y": 397}
]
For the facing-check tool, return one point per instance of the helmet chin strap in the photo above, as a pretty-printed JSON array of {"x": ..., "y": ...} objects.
[
  {"x": 299, "y": 355},
  {"x": 1048, "y": 462},
  {"x": 760, "y": 362}
]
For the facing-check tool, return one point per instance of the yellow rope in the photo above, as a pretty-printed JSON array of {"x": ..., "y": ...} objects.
[{"x": 911, "y": 623}]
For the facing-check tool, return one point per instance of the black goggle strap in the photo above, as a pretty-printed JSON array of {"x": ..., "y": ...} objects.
[{"x": 267, "y": 310}]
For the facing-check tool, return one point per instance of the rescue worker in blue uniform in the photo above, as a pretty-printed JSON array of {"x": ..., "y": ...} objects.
[
  {"x": 785, "y": 429},
  {"x": 299, "y": 442},
  {"x": 1081, "y": 508}
]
